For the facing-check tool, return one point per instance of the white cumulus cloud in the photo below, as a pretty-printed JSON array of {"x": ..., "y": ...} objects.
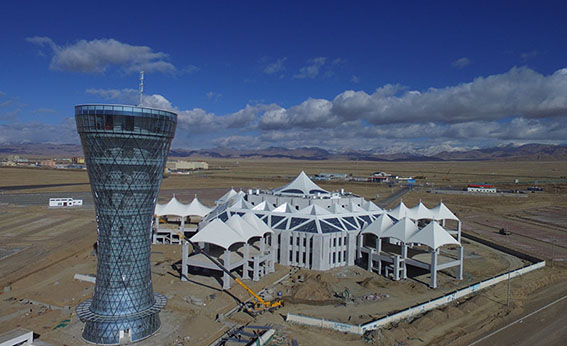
[
  {"x": 97, "y": 55},
  {"x": 312, "y": 69}
]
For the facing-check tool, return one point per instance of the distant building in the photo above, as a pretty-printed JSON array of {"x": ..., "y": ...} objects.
[
  {"x": 181, "y": 165},
  {"x": 78, "y": 160},
  {"x": 331, "y": 176},
  {"x": 381, "y": 177},
  {"x": 486, "y": 188},
  {"x": 65, "y": 202},
  {"x": 47, "y": 163}
]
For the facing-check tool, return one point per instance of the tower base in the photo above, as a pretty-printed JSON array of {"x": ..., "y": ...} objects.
[{"x": 120, "y": 329}]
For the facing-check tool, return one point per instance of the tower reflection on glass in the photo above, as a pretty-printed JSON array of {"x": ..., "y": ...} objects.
[{"x": 125, "y": 151}]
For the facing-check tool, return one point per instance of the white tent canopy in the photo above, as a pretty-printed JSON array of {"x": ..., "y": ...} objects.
[
  {"x": 441, "y": 212},
  {"x": 302, "y": 185},
  {"x": 257, "y": 223},
  {"x": 176, "y": 208},
  {"x": 196, "y": 208},
  {"x": 420, "y": 212},
  {"x": 379, "y": 226},
  {"x": 245, "y": 229},
  {"x": 226, "y": 197},
  {"x": 400, "y": 211},
  {"x": 218, "y": 233},
  {"x": 313, "y": 210},
  {"x": 238, "y": 202},
  {"x": 173, "y": 207},
  {"x": 370, "y": 206},
  {"x": 263, "y": 206},
  {"x": 284, "y": 208},
  {"x": 434, "y": 236},
  {"x": 402, "y": 230}
]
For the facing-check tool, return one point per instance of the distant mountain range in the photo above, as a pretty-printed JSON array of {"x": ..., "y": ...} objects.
[{"x": 544, "y": 152}]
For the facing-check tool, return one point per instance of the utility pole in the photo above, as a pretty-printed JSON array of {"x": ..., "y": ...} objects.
[
  {"x": 508, "y": 298},
  {"x": 552, "y": 253}
]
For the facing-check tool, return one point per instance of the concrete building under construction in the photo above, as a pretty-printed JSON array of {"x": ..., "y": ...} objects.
[{"x": 312, "y": 228}]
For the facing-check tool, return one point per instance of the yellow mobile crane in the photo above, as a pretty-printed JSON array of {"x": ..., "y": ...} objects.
[{"x": 258, "y": 305}]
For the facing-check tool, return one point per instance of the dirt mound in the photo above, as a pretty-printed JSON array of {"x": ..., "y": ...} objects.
[
  {"x": 314, "y": 287},
  {"x": 372, "y": 283}
]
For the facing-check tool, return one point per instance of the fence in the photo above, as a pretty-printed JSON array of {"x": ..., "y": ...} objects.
[{"x": 414, "y": 310}]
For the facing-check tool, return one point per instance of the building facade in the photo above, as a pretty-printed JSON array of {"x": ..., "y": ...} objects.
[
  {"x": 125, "y": 151},
  {"x": 313, "y": 228},
  {"x": 180, "y": 165}
]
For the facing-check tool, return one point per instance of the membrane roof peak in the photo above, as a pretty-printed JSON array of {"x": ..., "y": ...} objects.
[{"x": 302, "y": 184}]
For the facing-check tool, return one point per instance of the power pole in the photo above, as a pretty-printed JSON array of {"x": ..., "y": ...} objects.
[{"x": 508, "y": 298}]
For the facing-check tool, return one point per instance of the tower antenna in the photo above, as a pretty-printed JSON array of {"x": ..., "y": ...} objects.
[{"x": 141, "y": 87}]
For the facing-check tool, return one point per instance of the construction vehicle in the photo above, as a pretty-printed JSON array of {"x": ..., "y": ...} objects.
[{"x": 258, "y": 305}]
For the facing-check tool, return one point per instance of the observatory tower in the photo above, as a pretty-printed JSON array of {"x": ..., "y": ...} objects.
[{"x": 125, "y": 151}]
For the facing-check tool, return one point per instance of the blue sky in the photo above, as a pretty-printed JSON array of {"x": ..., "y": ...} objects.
[{"x": 377, "y": 76}]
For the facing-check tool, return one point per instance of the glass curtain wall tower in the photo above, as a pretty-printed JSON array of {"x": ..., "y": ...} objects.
[{"x": 125, "y": 151}]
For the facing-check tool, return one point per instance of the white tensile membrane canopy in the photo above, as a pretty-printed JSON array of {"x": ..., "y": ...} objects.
[
  {"x": 263, "y": 206},
  {"x": 441, "y": 212},
  {"x": 258, "y": 224},
  {"x": 370, "y": 206},
  {"x": 400, "y": 211},
  {"x": 402, "y": 230},
  {"x": 284, "y": 208},
  {"x": 173, "y": 207},
  {"x": 227, "y": 196},
  {"x": 245, "y": 229},
  {"x": 238, "y": 202},
  {"x": 218, "y": 233},
  {"x": 302, "y": 185},
  {"x": 420, "y": 212},
  {"x": 434, "y": 236},
  {"x": 379, "y": 226},
  {"x": 197, "y": 208},
  {"x": 236, "y": 229},
  {"x": 313, "y": 210},
  {"x": 176, "y": 208}
]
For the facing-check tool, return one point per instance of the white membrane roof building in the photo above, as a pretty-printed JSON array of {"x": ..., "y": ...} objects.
[
  {"x": 302, "y": 185},
  {"x": 420, "y": 212},
  {"x": 197, "y": 208},
  {"x": 400, "y": 211},
  {"x": 218, "y": 233},
  {"x": 255, "y": 221},
  {"x": 175, "y": 208},
  {"x": 434, "y": 236},
  {"x": 402, "y": 230},
  {"x": 226, "y": 197},
  {"x": 379, "y": 226},
  {"x": 441, "y": 212}
]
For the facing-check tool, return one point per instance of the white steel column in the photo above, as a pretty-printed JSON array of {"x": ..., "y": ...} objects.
[{"x": 225, "y": 276}]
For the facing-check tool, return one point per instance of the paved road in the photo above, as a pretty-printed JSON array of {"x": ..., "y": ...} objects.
[
  {"x": 393, "y": 197},
  {"x": 544, "y": 327},
  {"x": 29, "y": 187},
  {"x": 32, "y": 199}
]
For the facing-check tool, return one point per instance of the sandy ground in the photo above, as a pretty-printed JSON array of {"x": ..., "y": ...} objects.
[{"x": 41, "y": 249}]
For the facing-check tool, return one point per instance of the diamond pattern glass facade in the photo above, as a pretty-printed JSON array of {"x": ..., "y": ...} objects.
[{"x": 125, "y": 151}]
